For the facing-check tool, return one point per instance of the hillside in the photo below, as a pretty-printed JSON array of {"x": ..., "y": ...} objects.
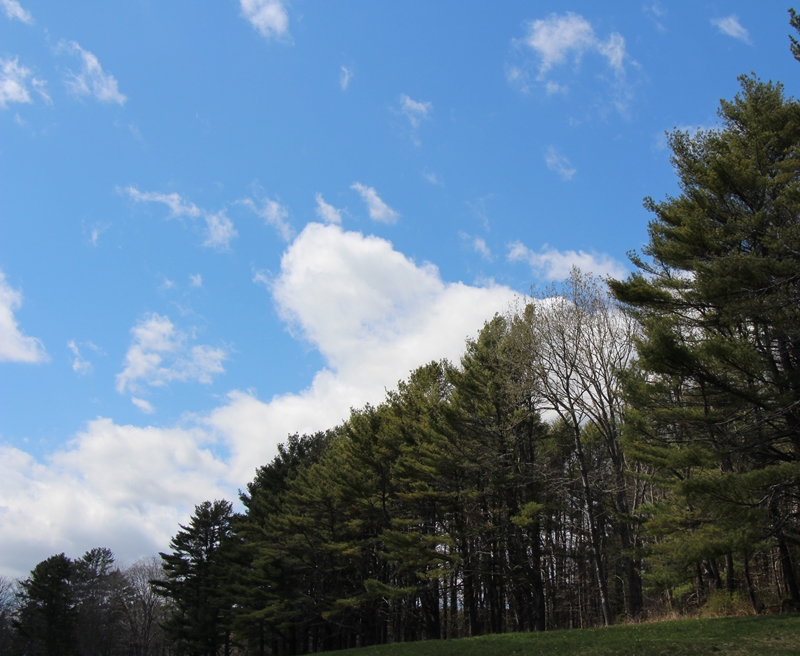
[{"x": 771, "y": 634}]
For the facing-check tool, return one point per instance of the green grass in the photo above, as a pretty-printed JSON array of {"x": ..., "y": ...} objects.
[{"x": 769, "y": 634}]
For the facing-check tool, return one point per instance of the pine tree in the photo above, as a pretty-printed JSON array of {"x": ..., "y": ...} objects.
[
  {"x": 47, "y": 620},
  {"x": 195, "y": 581},
  {"x": 718, "y": 396}
]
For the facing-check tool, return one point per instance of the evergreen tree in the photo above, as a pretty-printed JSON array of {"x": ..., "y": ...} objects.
[
  {"x": 718, "y": 397},
  {"x": 47, "y": 618},
  {"x": 196, "y": 582}
]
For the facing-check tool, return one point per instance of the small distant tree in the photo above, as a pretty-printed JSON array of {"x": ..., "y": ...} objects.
[
  {"x": 144, "y": 609},
  {"x": 7, "y": 606}
]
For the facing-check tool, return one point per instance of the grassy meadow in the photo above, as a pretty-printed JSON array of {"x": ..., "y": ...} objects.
[{"x": 770, "y": 634}]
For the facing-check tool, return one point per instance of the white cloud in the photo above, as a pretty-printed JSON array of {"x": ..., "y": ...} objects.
[
  {"x": 556, "y": 38},
  {"x": 415, "y": 111},
  {"x": 14, "y": 346},
  {"x": 159, "y": 354},
  {"x": 269, "y": 17},
  {"x": 219, "y": 228},
  {"x": 124, "y": 487},
  {"x": 14, "y": 10},
  {"x": 220, "y": 231},
  {"x": 559, "y": 163},
  {"x": 655, "y": 11},
  {"x": 262, "y": 278},
  {"x": 561, "y": 39},
  {"x": 273, "y": 213},
  {"x": 552, "y": 264},
  {"x": 177, "y": 206},
  {"x": 345, "y": 76},
  {"x": 372, "y": 313},
  {"x": 91, "y": 80},
  {"x": 13, "y": 88},
  {"x": 479, "y": 245},
  {"x": 143, "y": 405},
  {"x": 79, "y": 364},
  {"x": 378, "y": 210},
  {"x": 326, "y": 212},
  {"x": 431, "y": 177},
  {"x": 195, "y": 280},
  {"x": 732, "y": 27}
]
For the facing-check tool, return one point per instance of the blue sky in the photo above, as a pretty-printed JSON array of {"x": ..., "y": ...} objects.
[{"x": 223, "y": 224}]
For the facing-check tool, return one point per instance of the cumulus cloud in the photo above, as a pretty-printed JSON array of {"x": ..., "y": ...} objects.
[
  {"x": 269, "y": 17},
  {"x": 552, "y": 264},
  {"x": 345, "y": 76},
  {"x": 14, "y": 10},
  {"x": 159, "y": 354},
  {"x": 371, "y": 312},
  {"x": 326, "y": 212},
  {"x": 378, "y": 210},
  {"x": 14, "y": 345},
  {"x": 124, "y": 487},
  {"x": 731, "y": 26},
  {"x": 91, "y": 80},
  {"x": 273, "y": 213},
  {"x": 559, "y": 163}
]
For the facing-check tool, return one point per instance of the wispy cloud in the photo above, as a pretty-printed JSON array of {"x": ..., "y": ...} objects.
[
  {"x": 273, "y": 213},
  {"x": 13, "y": 86},
  {"x": 269, "y": 17},
  {"x": 415, "y": 111},
  {"x": 195, "y": 280},
  {"x": 378, "y": 210},
  {"x": 14, "y": 345},
  {"x": 93, "y": 233},
  {"x": 178, "y": 207},
  {"x": 552, "y": 264},
  {"x": 479, "y": 246},
  {"x": 326, "y": 212},
  {"x": 91, "y": 80},
  {"x": 80, "y": 364},
  {"x": 14, "y": 10},
  {"x": 143, "y": 405},
  {"x": 262, "y": 277},
  {"x": 559, "y": 163},
  {"x": 431, "y": 177},
  {"x": 655, "y": 11},
  {"x": 159, "y": 354},
  {"x": 556, "y": 38},
  {"x": 731, "y": 26},
  {"x": 345, "y": 76},
  {"x": 219, "y": 231},
  {"x": 562, "y": 39},
  {"x": 219, "y": 228}
]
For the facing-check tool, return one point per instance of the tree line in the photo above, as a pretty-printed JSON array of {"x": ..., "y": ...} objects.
[{"x": 606, "y": 450}]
